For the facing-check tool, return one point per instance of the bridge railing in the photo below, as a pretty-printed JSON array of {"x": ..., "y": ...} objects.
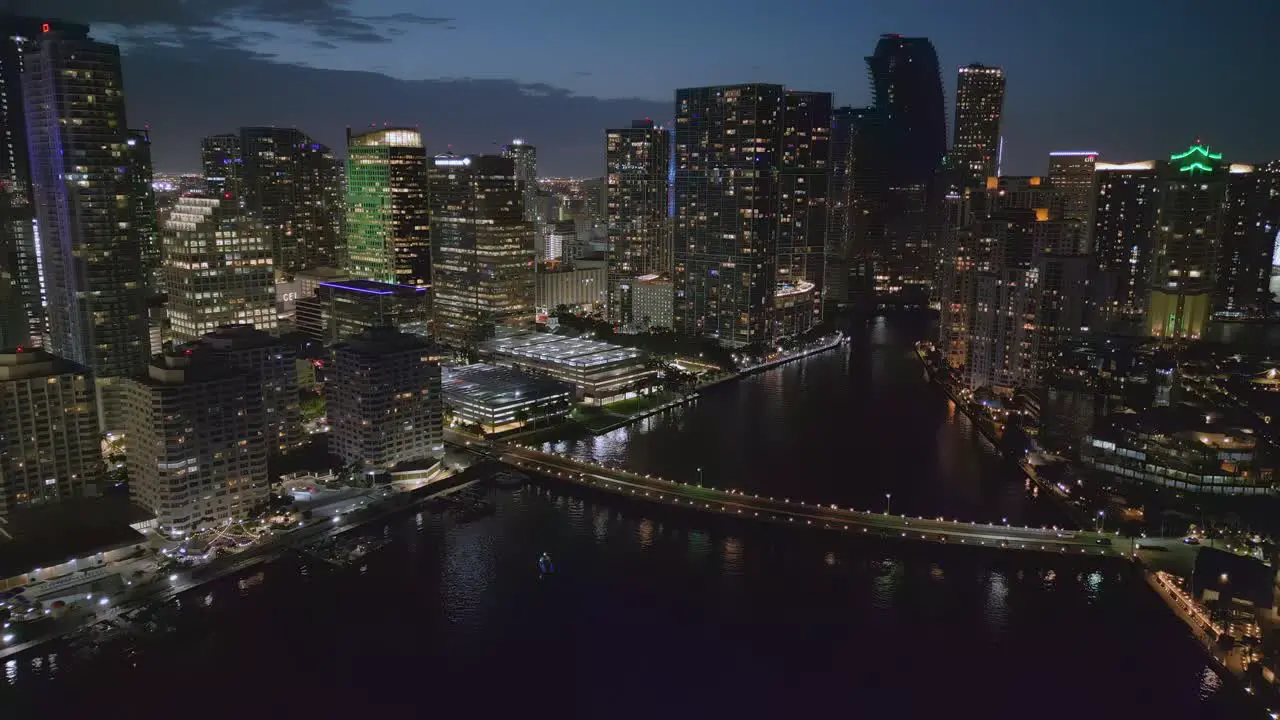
[{"x": 1039, "y": 532}]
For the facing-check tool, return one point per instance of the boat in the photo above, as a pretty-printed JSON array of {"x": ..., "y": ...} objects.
[{"x": 545, "y": 565}]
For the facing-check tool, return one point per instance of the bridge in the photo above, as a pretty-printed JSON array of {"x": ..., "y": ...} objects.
[{"x": 786, "y": 511}]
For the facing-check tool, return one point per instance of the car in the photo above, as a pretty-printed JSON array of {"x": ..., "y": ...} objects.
[
  {"x": 1103, "y": 541},
  {"x": 1191, "y": 540}
]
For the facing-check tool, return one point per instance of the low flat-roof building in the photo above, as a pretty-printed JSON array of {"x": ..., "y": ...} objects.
[
  {"x": 600, "y": 372},
  {"x": 793, "y": 308},
  {"x": 499, "y": 398},
  {"x": 1178, "y": 447},
  {"x": 571, "y": 287}
]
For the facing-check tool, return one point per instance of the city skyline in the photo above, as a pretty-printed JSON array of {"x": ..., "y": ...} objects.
[{"x": 428, "y": 70}]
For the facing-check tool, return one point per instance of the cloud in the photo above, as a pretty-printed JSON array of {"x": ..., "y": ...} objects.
[
  {"x": 182, "y": 94},
  {"x": 329, "y": 19}
]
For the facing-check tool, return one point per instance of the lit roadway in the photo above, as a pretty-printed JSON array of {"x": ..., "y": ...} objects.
[{"x": 792, "y": 512}]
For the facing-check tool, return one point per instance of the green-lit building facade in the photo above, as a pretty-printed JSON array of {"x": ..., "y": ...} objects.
[{"x": 387, "y": 229}]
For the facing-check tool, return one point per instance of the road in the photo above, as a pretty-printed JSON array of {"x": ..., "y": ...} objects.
[{"x": 785, "y": 510}]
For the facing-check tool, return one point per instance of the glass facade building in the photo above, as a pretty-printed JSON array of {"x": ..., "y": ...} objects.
[
  {"x": 92, "y": 262},
  {"x": 637, "y": 165},
  {"x": 975, "y": 146},
  {"x": 483, "y": 249},
  {"x": 725, "y": 252},
  {"x": 387, "y": 229}
]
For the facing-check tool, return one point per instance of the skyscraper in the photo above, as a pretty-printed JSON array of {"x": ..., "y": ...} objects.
[
  {"x": 385, "y": 400},
  {"x": 979, "y": 106},
  {"x": 289, "y": 183},
  {"x": 907, "y": 86},
  {"x": 21, "y": 291},
  {"x": 318, "y": 208},
  {"x": 835, "y": 282},
  {"x": 637, "y": 164},
  {"x": 217, "y": 269},
  {"x": 197, "y": 451},
  {"x": 1252, "y": 223},
  {"x": 525, "y": 157},
  {"x": 387, "y": 228},
  {"x": 1127, "y": 198},
  {"x": 142, "y": 199},
  {"x": 1187, "y": 239},
  {"x": 93, "y": 264},
  {"x": 223, "y": 167},
  {"x": 1072, "y": 174},
  {"x": 868, "y": 261},
  {"x": 728, "y": 152},
  {"x": 482, "y": 248},
  {"x": 804, "y": 190}
]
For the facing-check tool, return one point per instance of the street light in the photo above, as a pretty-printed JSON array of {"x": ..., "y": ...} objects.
[
  {"x": 699, "y": 477},
  {"x": 1102, "y": 520},
  {"x": 887, "y": 498}
]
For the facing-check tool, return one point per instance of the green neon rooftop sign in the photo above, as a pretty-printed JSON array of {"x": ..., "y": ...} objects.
[{"x": 1196, "y": 158}]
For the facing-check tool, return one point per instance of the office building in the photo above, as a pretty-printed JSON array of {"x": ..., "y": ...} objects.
[
  {"x": 384, "y": 400},
  {"x": 572, "y": 287},
  {"x": 499, "y": 399},
  {"x": 483, "y": 249},
  {"x": 975, "y": 146},
  {"x": 1252, "y": 223},
  {"x": 1124, "y": 217},
  {"x": 92, "y": 263},
  {"x": 725, "y": 253},
  {"x": 142, "y": 201},
  {"x": 286, "y": 181},
  {"x": 21, "y": 287},
  {"x": 387, "y": 229},
  {"x": 197, "y": 450},
  {"x": 318, "y": 206},
  {"x": 600, "y": 372},
  {"x": 341, "y": 309},
  {"x": 1186, "y": 241},
  {"x": 838, "y": 256},
  {"x": 271, "y": 362},
  {"x": 217, "y": 269},
  {"x": 803, "y": 196},
  {"x": 223, "y": 166},
  {"x": 906, "y": 84},
  {"x": 868, "y": 265},
  {"x": 49, "y": 441},
  {"x": 637, "y": 170},
  {"x": 1072, "y": 174},
  {"x": 561, "y": 241},
  {"x": 525, "y": 158}
]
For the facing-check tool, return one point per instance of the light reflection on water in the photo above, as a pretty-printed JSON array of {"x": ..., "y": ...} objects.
[{"x": 638, "y": 581}]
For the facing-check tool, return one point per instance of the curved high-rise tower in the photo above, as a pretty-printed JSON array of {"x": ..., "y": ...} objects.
[{"x": 906, "y": 83}]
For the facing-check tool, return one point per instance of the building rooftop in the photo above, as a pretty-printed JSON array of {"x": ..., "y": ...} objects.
[
  {"x": 379, "y": 341},
  {"x": 20, "y": 364},
  {"x": 559, "y": 350},
  {"x": 373, "y": 287},
  {"x": 50, "y": 535},
  {"x": 493, "y": 385}
]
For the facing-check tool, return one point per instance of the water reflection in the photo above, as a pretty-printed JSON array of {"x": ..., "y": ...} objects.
[{"x": 844, "y": 427}]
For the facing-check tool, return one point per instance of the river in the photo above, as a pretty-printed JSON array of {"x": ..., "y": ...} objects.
[{"x": 654, "y": 613}]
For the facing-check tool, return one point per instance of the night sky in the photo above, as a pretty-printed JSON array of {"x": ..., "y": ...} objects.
[{"x": 1133, "y": 79}]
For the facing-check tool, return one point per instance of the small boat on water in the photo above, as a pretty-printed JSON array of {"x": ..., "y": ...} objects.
[{"x": 545, "y": 565}]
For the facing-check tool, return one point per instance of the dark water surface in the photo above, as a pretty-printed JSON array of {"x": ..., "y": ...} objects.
[{"x": 654, "y": 613}]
